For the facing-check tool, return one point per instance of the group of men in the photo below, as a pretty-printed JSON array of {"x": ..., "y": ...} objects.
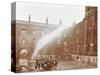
[{"x": 48, "y": 63}]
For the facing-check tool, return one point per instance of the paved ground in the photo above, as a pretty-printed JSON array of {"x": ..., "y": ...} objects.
[{"x": 68, "y": 65}]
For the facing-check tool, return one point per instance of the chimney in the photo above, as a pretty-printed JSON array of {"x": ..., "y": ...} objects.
[
  {"x": 46, "y": 20},
  {"x": 29, "y": 18}
]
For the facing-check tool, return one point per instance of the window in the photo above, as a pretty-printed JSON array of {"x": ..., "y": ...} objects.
[
  {"x": 23, "y": 51},
  {"x": 77, "y": 31},
  {"x": 77, "y": 40},
  {"x": 23, "y": 31},
  {"x": 90, "y": 28},
  {"x": 65, "y": 43},
  {"x": 91, "y": 44},
  {"x": 23, "y": 40}
]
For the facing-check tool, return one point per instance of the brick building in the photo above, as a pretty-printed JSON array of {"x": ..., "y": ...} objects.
[
  {"x": 25, "y": 36},
  {"x": 77, "y": 42},
  {"x": 80, "y": 42}
]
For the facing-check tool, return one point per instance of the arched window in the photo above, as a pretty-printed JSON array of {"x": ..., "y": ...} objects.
[{"x": 23, "y": 51}]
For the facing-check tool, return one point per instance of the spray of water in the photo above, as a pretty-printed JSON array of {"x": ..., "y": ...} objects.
[{"x": 44, "y": 40}]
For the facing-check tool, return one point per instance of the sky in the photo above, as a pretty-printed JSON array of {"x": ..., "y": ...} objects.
[{"x": 68, "y": 14}]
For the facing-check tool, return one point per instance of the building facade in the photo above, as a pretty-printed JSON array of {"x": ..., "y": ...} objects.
[{"x": 77, "y": 43}]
